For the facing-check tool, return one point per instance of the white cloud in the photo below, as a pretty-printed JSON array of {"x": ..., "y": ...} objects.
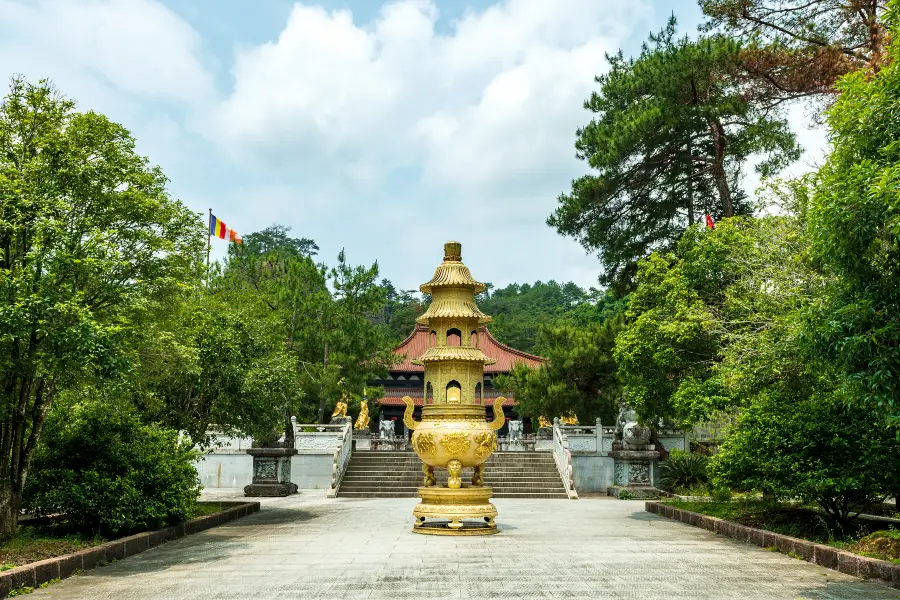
[
  {"x": 369, "y": 99},
  {"x": 386, "y": 137},
  {"x": 134, "y": 47},
  {"x": 485, "y": 116}
]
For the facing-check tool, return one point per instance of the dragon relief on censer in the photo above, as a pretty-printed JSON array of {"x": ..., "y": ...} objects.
[{"x": 453, "y": 433}]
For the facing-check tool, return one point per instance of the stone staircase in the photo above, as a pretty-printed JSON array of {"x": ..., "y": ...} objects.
[{"x": 381, "y": 474}]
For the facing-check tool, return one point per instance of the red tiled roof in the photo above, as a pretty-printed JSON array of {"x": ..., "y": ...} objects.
[
  {"x": 394, "y": 397},
  {"x": 416, "y": 344}
]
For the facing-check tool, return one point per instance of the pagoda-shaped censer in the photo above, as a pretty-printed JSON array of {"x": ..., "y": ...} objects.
[{"x": 454, "y": 433}]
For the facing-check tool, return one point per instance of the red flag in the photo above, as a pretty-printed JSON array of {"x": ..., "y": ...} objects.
[{"x": 710, "y": 224}]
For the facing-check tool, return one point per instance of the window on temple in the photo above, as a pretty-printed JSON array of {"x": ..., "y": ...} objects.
[
  {"x": 429, "y": 394},
  {"x": 432, "y": 339},
  {"x": 478, "y": 397},
  {"x": 454, "y": 392},
  {"x": 454, "y": 337},
  {"x": 473, "y": 339}
]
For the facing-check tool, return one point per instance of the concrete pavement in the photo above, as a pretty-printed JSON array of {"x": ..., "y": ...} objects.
[{"x": 307, "y": 546}]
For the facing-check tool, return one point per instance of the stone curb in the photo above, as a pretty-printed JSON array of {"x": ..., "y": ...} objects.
[
  {"x": 820, "y": 554},
  {"x": 61, "y": 567}
]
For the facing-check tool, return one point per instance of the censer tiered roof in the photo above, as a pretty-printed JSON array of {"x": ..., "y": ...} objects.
[
  {"x": 450, "y": 278},
  {"x": 453, "y": 290}
]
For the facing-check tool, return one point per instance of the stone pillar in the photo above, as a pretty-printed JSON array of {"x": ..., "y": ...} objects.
[
  {"x": 271, "y": 472},
  {"x": 634, "y": 459}
]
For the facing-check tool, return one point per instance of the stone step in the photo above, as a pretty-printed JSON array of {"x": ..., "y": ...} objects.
[
  {"x": 543, "y": 470},
  {"x": 413, "y": 491},
  {"x": 389, "y": 494},
  {"x": 375, "y": 474},
  {"x": 415, "y": 484},
  {"x": 368, "y": 476},
  {"x": 492, "y": 458},
  {"x": 365, "y": 460},
  {"x": 418, "y": 463}
]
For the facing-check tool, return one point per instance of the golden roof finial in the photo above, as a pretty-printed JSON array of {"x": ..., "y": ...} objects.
[{"x": 452, "y": 251}]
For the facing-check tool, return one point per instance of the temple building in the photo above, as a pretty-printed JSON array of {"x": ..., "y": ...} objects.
[{"x": 405, "y": 378}]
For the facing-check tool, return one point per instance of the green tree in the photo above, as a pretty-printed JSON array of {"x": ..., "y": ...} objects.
[
  {"x": 108, "y": 472},
  {"x": 327, "y": 320},
  {"x": 855, "y": 227},
  {"x": 400, "y": 311},
  {"x": 672, "y": 132},
  {"x": 519, "y": 311},
  {"x": 274, "y": 238},
  {"x": 717, "y": 322},
  {"x": 88, "y": 233},
  {"x": 812, "y": 448},
  {"x": 580, "y": 374},
  {"x": 203, "y": 360},
  {"x": 796, "y": 48}
]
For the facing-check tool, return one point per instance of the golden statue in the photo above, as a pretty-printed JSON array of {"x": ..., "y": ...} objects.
[
  {"x": 543, "y": 422},
  {"x": 362, "y": 421},
  {"x": 571, "y": 419},
  {"x": 453, "y": 433},
  {"x": 340, "y": 409}
]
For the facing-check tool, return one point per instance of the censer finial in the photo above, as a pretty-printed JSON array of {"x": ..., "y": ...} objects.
[{"x": 452, "y": 251}]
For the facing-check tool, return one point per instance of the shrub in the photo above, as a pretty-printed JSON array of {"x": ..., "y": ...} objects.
[
  {"x": 814, "y": 449},
  {"x": 109, "y": 473},
  {"x": 683, "y": 470}
]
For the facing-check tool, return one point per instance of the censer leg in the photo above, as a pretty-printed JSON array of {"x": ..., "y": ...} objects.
[
  {"x": 429, "y": 475},
  {"x": 478, "y": 475},
  {"x": 454, "y": 470}
]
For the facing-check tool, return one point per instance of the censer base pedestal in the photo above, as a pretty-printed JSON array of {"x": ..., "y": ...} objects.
[{"x": 463, "y": 511}]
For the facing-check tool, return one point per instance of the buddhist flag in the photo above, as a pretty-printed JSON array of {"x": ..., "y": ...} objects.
[
  {"x": 221, "y": 230},
  {"x": 710, "y": 224}
]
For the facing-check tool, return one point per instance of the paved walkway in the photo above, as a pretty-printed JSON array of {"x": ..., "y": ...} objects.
[{"x": 307, "y": 546}]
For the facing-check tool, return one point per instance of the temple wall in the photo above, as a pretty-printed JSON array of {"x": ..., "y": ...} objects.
[
  {"x": 225, "y": 469},
  {"x": 234, "y": 469},
  {"x": 312, "y": 470},
  {"x": 592, "y": 471}
]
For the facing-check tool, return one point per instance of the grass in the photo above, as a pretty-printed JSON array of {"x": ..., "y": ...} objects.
[
  {"x": 47, "y": 539},
  {"x": 208, "y": 508},
  {"x": 862, "y": 537},
  {"x": 33, "y": 544},
  {"x": 883, "y": 544}
]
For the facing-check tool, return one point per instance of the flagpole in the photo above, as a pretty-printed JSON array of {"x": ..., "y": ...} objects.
[{"x": 208, "y": 245}]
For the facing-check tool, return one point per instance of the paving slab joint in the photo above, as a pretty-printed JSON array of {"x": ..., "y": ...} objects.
[
  {"x": 61, "y": 567},
  {"x": 820, "y": 554}
]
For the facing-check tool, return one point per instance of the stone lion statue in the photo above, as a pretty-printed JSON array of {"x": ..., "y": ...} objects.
[{"x": 515, "y": 431}]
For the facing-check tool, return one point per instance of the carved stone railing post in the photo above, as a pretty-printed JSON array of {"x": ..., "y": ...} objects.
[
  {"x": 341, "y": 458},
  {"x": 563, "y": 458}
]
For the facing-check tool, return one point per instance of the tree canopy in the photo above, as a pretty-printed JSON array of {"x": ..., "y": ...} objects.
[
  {"x": 854, "y": 219},
  {"x": 88, "y": 236},
  {"x": 795, "y": 48},
  {"x": 672, "y": 132}
]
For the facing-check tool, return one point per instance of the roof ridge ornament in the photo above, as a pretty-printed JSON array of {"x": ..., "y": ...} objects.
[{"x": 453, "y": 251}]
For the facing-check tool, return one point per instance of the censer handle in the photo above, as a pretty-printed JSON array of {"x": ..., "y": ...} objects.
[
  {"x": 408, "y": 415},
  {"x": 499, "y": 418}
]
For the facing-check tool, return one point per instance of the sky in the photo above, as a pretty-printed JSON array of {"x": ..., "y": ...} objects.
[{"x": 381, "y": 128}]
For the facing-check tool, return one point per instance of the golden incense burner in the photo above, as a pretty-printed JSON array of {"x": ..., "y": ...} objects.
[{"x": 453, "y": 433}]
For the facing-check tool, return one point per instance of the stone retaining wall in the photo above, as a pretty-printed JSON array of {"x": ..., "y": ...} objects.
[
  {"x": 61, "y": 567},
  {"x": 820, "y": 554}
]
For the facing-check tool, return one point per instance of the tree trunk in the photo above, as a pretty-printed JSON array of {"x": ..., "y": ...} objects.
[
  {"x": 10, "y": 504},
  {"x": 690, "y": 182},
  {"x": 718, "y": 169},
  {"x": 322, "y": 396}
]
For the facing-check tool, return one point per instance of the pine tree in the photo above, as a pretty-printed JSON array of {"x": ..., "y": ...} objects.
[{"x": 672, "y": 132}]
